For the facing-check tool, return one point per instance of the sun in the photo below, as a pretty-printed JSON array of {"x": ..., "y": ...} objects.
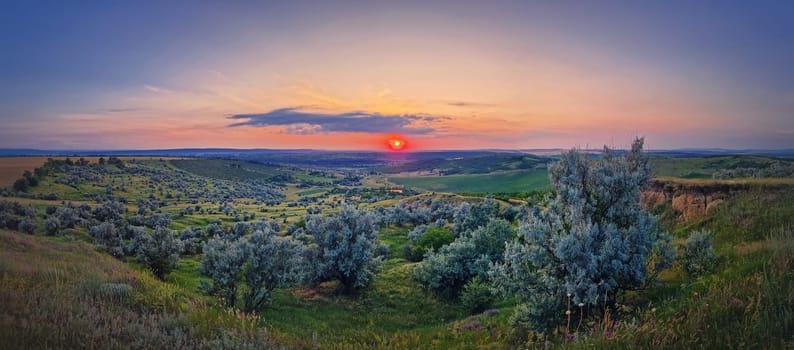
[{"x": 396, "y": 143}]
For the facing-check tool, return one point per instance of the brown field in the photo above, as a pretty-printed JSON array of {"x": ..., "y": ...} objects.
[{"x": 11, "y": 168}]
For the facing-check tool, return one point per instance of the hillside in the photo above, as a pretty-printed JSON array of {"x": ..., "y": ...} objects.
[{"x": 86, "y": 295}]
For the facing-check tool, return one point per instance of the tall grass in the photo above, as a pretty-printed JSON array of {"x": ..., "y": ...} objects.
[
  {"x": 737, "y": 308},
  {"x": 65, "y": 295}
]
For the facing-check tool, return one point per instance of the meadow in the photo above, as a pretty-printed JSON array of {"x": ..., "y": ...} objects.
[
  {"x": 88, "y": 299},
  {"x": 512, "y": 181}
]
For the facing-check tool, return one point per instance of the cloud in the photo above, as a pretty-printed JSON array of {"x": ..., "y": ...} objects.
[
  {"x": 468, "y": 104},
  {"x": 297, "y": 121},
  {"x": 157, "y": 89}
]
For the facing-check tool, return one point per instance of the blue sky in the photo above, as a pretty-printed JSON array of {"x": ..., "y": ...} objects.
[{"x": 480, "y": 74}]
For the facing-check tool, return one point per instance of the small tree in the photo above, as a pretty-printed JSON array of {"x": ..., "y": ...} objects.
[
  {"x": 426, "y": 239},
  {"x": 273, "y": 262},
  {"x": 27, "y": 225},
  {"x": 345, "y": 247},
  {"x": 698, "y": 254},
  {"x": 223, "y": 263},
  {"x": 263, "y": 260},
  {"x": 591, "y": 241},
  {"x": 52, "y": 226},
  {"x": 21, "y": 184},
  {"x": 159, "y": 251},
  {"x": 476, "y": 296}
]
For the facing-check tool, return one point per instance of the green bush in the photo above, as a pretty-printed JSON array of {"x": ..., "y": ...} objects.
[
  {"x": 434, "y": 238},
  {"x": 476, "y": 296},
  {"x": 698, "y": 256}
]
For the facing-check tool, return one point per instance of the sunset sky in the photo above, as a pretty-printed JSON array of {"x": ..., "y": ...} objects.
[{"x": 443, "y": 74}]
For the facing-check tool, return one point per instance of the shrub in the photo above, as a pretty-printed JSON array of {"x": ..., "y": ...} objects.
[
  {"x": 470, "y": 217},
  {"x": 52, "y": 225},
  {"x": 27, "y": 226},
  {"x": 434, "y": 238},
  {"x": 158, "y": 251},
  {"x": 476, "y": 296},
  {"x": 21, "y": 185},
  {"x": 263, "y": 260},
  {"x": 447, "y": 270},
  {"x": 223, "y": 263},
  {"x": 109, "y": 211},
  {"x": 592, "y": 240},
  {"x": 108, "y": 238},
  {"x": 273, "y": 262},
  {"x": 698, "y": 255},
  {"x": 426, "y": 240},
  {"x": 191, "y": 241},
  {"x": 345, "y": 247}
]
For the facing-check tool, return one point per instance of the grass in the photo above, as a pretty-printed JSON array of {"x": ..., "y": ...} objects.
[
  {"x": 748, "y": 303},
  {"x": 80, "y": 301},
  {"x": 471, "y": 165},
  {"x": 236, "y": 170},
  {"x": 60, "y": 295},
  {"x": 704, "y": 167},
  {"x": 514, "y": 181}
]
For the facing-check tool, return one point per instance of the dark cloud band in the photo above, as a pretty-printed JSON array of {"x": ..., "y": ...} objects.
[{"x": 299, "y": 121}]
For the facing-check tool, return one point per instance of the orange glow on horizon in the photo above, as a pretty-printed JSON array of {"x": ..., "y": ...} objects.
[{"x": 396, "y": 143}]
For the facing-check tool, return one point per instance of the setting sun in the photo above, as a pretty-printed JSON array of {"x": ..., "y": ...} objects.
[{"x": 396, "y": 144}]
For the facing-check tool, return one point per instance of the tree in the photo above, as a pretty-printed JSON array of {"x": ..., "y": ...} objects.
[
  {"x": 223, "y": 263},
  {"x": 345, "y": 247},
  {"x": 273, "y": 262},
  {"x": 21, "y": 185},
  {"x": 263, "y": 260},
  {"x": 159, "y": 251},
  {"x": 52, "y": 226},
  {"x": 591, "y": 241}
]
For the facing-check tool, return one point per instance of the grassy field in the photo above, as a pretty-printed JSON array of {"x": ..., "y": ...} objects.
[
  {"x": 471, "y": 165},
  {"x": 85, "y": 299},
  {"x": 245, "y": 171},
  {"x": 63, "y": 294},
  {"x": 11, "y": 168},
  {"x": 516, "y": 181},
  {"x": 704, "y": 167}
]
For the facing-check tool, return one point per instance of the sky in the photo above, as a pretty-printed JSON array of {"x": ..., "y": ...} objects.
[{"x": 438, "y": 74}]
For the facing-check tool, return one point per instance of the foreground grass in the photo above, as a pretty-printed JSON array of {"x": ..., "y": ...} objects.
[
  {"x": 65, "y": 295},
  {"x": 749, "y": 303}
]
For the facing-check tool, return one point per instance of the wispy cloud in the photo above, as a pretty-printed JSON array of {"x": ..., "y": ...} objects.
[
  {"x": 157, "y": 89},
  {"x": 297, "y": 120},
  {"x": 468, "y": 104}
]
